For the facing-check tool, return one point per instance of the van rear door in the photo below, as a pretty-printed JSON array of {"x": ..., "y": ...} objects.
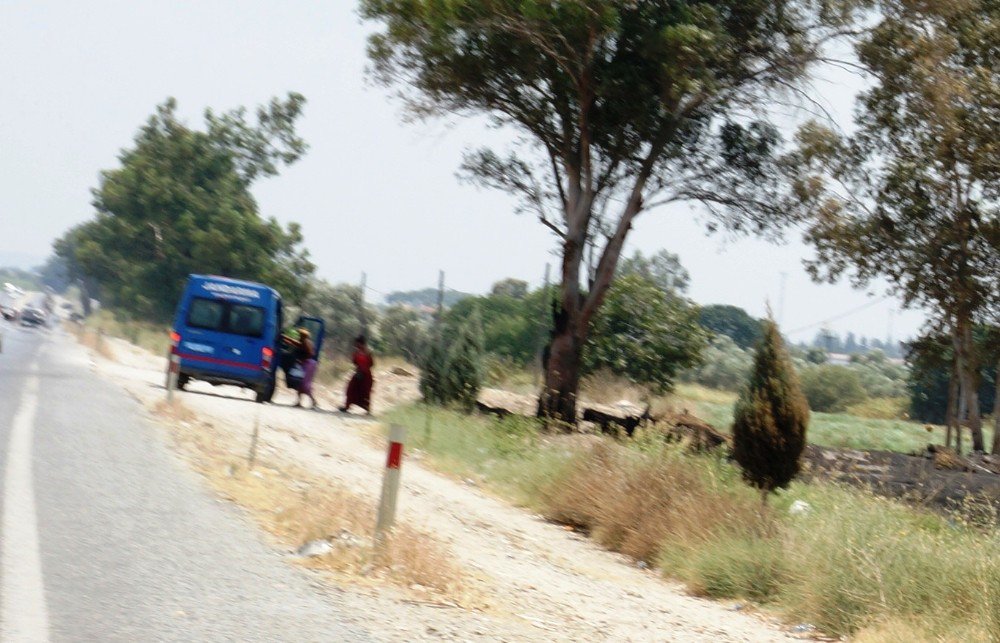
[{"x": 229, "y": 337}]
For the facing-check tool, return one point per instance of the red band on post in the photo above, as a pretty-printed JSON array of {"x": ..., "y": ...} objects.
[{"x": 395, "y": 455}]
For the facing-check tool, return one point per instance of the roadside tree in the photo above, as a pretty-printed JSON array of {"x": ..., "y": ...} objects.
[
  {"x": 515, "y": 288},
  {"x": 619, "y": 107},
  {"x": 180, "y": 203},
  {"x": 831, "y": 388},
  {"x": 912, "y": 196},
  {"x": 340, "y": 305},
  {"x": 464, "y": 373}
]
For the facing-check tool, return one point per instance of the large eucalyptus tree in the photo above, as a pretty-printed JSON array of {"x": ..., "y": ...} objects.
[{"x": 615, "y": 107}]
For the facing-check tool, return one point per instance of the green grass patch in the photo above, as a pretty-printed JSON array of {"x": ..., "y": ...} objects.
[
  {"x": 509, "y": 455},
  {"x": 844, "y": 430}
]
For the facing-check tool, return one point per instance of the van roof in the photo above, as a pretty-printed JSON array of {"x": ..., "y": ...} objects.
[{"x": 235, "y": 289}]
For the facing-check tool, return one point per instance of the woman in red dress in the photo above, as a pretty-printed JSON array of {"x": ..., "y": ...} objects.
[{"x": 359, "y": 389}]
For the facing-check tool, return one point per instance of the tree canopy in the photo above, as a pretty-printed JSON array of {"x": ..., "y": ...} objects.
[
  {"x": 733, "y": 322},
  {"x": 645, "y": 334},
  {"x": 180, "y": 204},
  {"x": 662, "y": 268},
  {"x": 619, "y": 106}
]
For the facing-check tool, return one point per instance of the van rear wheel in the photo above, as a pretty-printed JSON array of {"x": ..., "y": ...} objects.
[{"x": 265, "y": 394}]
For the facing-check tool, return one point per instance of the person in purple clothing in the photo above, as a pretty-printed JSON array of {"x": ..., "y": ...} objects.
[{"x": 305, "y": 354}]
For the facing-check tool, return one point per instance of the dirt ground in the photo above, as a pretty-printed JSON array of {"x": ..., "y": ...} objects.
[
  {"x": 534, "y": 581},
  {"x": 941, "y": 483}
]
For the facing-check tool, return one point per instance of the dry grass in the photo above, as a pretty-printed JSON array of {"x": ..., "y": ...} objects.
[
  {"x": 299, "y": 508},
  {"x": 296, "y": 507},
  {"x": 635, "y": 502},
  {"x": 92, "y": 338},
  {"x": 854, "y": 564},
  {"x": 173, "y": 411},
  {"x": 152, "y": 337},
  {"x": 605, "y": 387}
]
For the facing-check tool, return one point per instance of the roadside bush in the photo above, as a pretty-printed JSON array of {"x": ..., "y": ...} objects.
[
  {"x": 857, "y": 560},
  {"x": 746, "y": 567},
  {"x": 831, "y": 389},
  {"x": 653, "y": 503}
]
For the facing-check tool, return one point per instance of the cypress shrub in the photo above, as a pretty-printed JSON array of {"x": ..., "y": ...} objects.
[
  {"x": 434, "y": 368},
  {"x": 770, "y": 418},
  {"x": 464, "y": 374}
]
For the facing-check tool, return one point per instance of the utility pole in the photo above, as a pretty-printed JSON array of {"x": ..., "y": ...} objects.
[
  {"x": 888, "y": 339},
  {"x": 440, "y": 302}
]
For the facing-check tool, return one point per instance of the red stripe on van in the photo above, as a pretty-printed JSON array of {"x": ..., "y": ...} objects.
[{"x": 221, "y": 362}]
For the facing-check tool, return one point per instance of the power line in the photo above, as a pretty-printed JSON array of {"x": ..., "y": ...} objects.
[{"x": 840, "y": 316}]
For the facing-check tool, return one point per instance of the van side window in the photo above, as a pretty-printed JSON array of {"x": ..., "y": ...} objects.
[
  {"x": 206, "y": 313},
  {"x": 246, "y": 320}
]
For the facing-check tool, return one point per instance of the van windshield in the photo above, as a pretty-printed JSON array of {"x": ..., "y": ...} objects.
[{"x": 225, "y": 317}]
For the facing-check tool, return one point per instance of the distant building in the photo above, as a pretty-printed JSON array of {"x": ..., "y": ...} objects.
[{"x": 840, "y": 359}]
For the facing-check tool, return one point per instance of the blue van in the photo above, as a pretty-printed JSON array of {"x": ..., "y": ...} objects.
[{"x": 226, "y": 331}]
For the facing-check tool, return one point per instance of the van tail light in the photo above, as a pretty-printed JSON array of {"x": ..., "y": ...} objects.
[
  {"x": 175, "y": 341},
  {"x": 266, "y": 357}
]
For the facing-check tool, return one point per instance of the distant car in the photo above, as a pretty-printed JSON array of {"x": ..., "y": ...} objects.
[
  {"x": 32, "y": 317},
  {"x": 7, "y": 312}
]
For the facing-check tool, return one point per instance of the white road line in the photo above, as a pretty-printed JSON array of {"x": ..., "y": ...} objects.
[{"x": 23, "y": 613}]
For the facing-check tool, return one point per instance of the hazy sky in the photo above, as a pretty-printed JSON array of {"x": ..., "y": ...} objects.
[{"x": 374, "y": 194}]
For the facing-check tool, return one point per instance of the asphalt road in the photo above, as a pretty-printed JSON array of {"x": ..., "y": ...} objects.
[{"x": 106, "y": 536}]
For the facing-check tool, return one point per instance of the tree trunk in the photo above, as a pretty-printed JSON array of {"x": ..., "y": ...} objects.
[
  {"x": 951, "y": 412},
  {"x": 996, "y": 410},
  {"x": 960, "y": 416},
  {"x": 557, "y": 402},
  {"x": 965, "y": 351}
]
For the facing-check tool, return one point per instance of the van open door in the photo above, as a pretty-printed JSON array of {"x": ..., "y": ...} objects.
[
  {"x": 316, "y": 328},
  {"x": 294, "y": 372}
]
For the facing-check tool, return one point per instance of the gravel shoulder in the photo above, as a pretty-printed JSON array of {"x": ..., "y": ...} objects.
[{"x": 536, "y": 581}]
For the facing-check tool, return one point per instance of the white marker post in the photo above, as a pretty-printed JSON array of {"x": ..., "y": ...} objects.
[
  {"x": 390, "y": 483},
  {"x": 252, "y": 457},
  {"x": 172, "y": 373}
]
